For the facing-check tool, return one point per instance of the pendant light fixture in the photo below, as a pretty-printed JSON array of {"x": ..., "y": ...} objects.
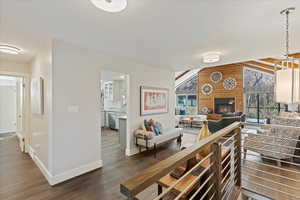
[
  {"x": 110, "y": 5},
  {"x": 287, "y": 75}
]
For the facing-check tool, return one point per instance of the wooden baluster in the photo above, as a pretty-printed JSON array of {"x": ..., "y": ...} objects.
[
  {"x": 216, "y": 169},
  {"x": 238, "y": 155}
]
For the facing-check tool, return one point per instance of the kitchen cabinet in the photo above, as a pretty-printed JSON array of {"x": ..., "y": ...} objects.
[
  {"x": 115, "y": 90},
  {"x": 108, "y": 90},
  {"x": 119, "y": 90}
]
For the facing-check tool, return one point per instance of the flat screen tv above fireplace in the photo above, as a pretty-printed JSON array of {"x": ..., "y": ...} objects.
[{"x": 224, "y": 105}]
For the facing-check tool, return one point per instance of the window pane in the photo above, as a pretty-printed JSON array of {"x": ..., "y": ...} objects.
[
  {"x": 181, "y": 100},
  {"x": 192, "y": 100}
]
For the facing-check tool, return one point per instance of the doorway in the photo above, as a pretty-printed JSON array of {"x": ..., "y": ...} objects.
[
  {"x": 11, "y": 109},
  {"x": 114, "y": 110}
]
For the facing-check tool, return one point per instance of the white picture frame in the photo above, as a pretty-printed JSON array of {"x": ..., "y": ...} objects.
[
  {"x": 37, "y": 96},
  {"x": 154, "y": 100}
]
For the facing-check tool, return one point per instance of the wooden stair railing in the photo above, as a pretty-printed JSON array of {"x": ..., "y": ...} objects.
[{"x": 220, "y": 169}]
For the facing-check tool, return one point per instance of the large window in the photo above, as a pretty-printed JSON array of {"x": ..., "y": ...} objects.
[
  {"x": 259, "y": 95},
  {"x": 187, "y": 100}
]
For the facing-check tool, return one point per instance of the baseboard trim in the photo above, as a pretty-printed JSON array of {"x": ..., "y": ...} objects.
[
  {"x": 40, "y": 165},
  {"x": 53, "y": 180},
  {"x": 131, "y": 152},
  {"x": 76, "y": 172}
]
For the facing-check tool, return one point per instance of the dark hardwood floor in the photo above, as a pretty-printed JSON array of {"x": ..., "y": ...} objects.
[{"x": 20, "y": 179}]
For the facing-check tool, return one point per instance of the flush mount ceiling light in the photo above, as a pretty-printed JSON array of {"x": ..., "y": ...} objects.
[
  {"x": 211, "y": 57},
  {"x": 110, "y": 5},
  {"x": 9, "y": 49}
]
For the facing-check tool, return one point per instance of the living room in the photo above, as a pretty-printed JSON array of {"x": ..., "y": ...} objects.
[
  {"x": 61, "y": 48},
  {"x": 239, "y": 91}
]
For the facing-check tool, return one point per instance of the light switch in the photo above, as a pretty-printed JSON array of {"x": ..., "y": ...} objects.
[{"x": 73, "y": 108}]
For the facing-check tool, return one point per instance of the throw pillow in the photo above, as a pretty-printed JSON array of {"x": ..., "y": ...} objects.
[
  {"x": 214, "y": 116},
  {"x": 156, "y": 130},
  {"x": 159, "y": 126},
  {"x": 146, "y": 124}
]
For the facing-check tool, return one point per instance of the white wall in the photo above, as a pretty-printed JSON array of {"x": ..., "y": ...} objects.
[
  {"x": 8, "y": 108},
  {"x": 41, "y": 66},
  {"x": 76, "y": 79},
  {"x": 14, "y": 67}
]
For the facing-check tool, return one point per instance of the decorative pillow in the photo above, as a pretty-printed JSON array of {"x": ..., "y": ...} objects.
[
  {"x": 150, "y": 122},
  {"x": 147, "y": 126},
  {"x": 156, "y": 130},
  {"x": 159, "y": 126},
  {"x": 214, "y": 116}
]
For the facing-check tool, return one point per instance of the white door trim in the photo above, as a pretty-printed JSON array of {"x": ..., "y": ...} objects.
[{"x": 26, "y": 106}]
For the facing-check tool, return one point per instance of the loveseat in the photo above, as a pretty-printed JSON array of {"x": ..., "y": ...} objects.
[{"x": 149, "y": 139}]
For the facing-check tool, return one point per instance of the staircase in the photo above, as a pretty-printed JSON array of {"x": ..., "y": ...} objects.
[{"x": 223, "y": 174}]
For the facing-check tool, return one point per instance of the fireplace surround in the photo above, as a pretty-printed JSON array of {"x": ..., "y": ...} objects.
[{"x": 224, "y": 105}]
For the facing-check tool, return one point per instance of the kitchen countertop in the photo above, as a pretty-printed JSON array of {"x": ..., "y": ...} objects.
[{"x": 115, "y": 111}]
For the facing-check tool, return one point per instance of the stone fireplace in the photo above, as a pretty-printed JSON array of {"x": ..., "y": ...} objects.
[{"x": 224, "y": 105}]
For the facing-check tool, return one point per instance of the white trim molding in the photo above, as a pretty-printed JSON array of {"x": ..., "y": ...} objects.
[
  {"x": 131, "y": 152},
  {"x": 56, "y": 179},
  {"x": 76, "y": 172},
  {"x": 40, "y": 165}
]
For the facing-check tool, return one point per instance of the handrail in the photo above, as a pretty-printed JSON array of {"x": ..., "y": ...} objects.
[
  {"x": 146, "y": 178},
  {"x": 275, "y": 146},
  {"x": 270, "y": 125}
]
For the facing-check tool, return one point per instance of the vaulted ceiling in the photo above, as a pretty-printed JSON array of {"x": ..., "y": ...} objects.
[{"x": 171, "y": 34}]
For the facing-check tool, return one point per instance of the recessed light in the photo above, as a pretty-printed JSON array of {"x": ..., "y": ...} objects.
[
  {"x": 9, "y": 49},
  {"x": 211, "y": 57},
  {"x": 110, "y": 5}
]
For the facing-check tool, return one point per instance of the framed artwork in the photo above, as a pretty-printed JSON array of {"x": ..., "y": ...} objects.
[
  {"x": 154, "y": 100},
  {"x": 216, "y": 77},
  {"x": 207, "y": 89},
  {"x": 37, "y": 96}
]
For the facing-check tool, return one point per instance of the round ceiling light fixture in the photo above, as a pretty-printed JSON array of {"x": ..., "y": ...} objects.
[
  {"x": 8, "y": 49},
  {"x": 110, "y": 5},
  {"x": 211, "y": 57}
]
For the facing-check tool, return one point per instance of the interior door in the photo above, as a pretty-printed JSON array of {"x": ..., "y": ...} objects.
[{"x": 20, "y": 113}]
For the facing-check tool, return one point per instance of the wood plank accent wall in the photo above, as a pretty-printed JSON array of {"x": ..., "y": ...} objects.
[{"x": 230, "y": 70}]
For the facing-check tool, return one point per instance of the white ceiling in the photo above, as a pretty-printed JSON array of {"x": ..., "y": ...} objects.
[{"x": 170, "y": 33}]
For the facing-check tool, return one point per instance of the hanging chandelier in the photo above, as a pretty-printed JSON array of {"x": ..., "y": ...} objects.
[{"x": 287, "y": 75}]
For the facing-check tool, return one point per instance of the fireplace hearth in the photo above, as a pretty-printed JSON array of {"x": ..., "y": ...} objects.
[{"x": 224, "y": 105}]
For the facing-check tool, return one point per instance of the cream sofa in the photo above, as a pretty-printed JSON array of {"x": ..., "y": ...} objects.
[{"x": 149, "y": 140}]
